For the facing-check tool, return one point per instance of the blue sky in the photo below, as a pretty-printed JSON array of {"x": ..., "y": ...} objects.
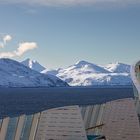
[{"x": 65, "y": 33}]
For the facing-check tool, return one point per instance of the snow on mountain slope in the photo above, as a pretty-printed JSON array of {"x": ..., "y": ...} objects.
[
  {"x": 15, "y": 74},
  {"x": 96, "y": 79},
  {"x": 118, "y": 67},
  {"x": 83, "y": 67},
  {"x": 32, "y": 64},
  {"x": 87, "y": 74}
]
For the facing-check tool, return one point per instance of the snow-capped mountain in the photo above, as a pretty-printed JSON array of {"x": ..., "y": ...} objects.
[
  {"x": 118, "y": 67},
  {"x": 85, "y": 67},
  {"x": 15, "y": 74},
  {"x": 81, "y": 67},
  {"x": 92, "y": 79},
  {"x": 33, "y": 64},
  {"x": 87, "y": 74}
]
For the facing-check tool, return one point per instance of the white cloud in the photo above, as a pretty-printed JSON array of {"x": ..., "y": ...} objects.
[
  {"x": 7, "y": 54},
  {"x": 7, "y": 38},
  {"x": 70, "y": 2},
  {"x": 23, "y": 47},
  {"x": 4, "y": 39},
  {"x": 1, "y": 45}
]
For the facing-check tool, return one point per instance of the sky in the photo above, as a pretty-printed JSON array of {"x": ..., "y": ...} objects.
[{"x": 58, "y": 33}]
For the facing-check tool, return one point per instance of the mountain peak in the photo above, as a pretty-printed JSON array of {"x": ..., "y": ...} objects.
[
  {"x": 85, "y": 68},
  {"x": 33, "y": 64},
  {"x": 82, "y": 62},
  {"x": 118, "y": 67},
  {"x": 30, "y": 60}
]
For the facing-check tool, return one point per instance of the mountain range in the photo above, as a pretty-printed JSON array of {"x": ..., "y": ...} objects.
[
  {"x": 84, "y": 73},
  {"x": 30, "y": 73},
  {"x": 87, "y": 74},
  {"x": 15, "y": 74}
]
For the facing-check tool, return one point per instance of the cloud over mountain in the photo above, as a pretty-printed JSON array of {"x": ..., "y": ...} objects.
[
  {"x": 23, "y": 47},
  {"x": 4, "y": 39},
  {"x": 7, "y": 38}
]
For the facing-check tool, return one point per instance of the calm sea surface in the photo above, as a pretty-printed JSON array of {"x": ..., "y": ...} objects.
[{"x": 15, "y": 101}]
